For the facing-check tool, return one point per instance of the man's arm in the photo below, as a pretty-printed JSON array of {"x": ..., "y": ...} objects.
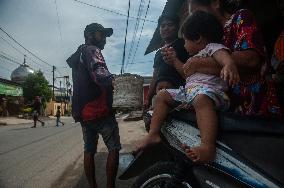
[
  {"x": 89, "y": 56},
  {"x": 170, "y": 57},
  {"x": 178, "y": 64}
]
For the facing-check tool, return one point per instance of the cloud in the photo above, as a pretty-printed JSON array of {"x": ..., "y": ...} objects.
[{"x": 35, "y": 25}]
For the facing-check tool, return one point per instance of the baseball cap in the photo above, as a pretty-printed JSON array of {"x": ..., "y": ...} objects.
[{"x": 93, "y": 27}]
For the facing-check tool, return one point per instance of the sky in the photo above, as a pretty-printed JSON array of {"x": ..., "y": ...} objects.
[{"x": 53, "y": 30}]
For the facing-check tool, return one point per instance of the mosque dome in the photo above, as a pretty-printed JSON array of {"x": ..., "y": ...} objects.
[{"x": 20, "y": 74}]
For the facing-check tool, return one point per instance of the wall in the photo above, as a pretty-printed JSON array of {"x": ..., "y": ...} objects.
[{"x": 128, "y": 91}]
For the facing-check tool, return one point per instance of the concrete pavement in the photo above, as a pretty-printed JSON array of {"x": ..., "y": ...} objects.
[{"x": 13, "y": 121}]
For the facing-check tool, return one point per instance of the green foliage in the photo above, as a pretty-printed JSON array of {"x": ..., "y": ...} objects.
[
  {"x": 36, "y": 85},
  {"x": 27, "y": 110}
]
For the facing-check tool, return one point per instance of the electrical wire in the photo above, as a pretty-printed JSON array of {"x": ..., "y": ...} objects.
[
  {"x": 135, "y": 32},
  {"x": 46, "y": 72},
  {"x": 140, "y": 32},
  {"x": 24, "y": 47},
  {"x": 123, "y": 56},
  {"x": 12, "y": 45},
  {"x": 9, "y": 58},
  {"x": 13, "y": 60},
  {"x": 58, "y": 20},
  {"x": 31, "y": 60},
  {"x": 112, "y": 11}
]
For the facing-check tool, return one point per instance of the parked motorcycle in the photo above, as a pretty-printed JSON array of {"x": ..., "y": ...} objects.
[{"x": 249, "y": 153}]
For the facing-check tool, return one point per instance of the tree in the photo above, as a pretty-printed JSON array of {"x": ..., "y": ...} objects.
[{"x": 36, "y": 85}]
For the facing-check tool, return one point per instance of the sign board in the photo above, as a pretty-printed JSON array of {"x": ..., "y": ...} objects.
[{"x": 10, "y": 90}]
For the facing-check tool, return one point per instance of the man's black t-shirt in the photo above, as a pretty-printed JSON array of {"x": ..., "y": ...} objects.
[{"x": 168, "y": 72}]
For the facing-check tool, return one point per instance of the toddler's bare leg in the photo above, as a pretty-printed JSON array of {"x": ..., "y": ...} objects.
[
  {"x": 163, "y": 104},
  {"x": 207, "y": 123}
]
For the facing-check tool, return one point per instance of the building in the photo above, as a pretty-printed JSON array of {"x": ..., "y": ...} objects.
[
  {"x": 62, "y": 98},
  {"x": 11, "y": 97},
  {"x": 21, "y": 73}
]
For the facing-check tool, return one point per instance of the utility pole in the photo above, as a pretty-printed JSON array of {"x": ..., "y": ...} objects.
[
  {"x": 60, "y": 91},
  {"x": 53, "y": 80},
  {"x": 124, "y": 47}
]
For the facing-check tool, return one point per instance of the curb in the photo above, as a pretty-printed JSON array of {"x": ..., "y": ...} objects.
[{"x": 3, "y": 123}]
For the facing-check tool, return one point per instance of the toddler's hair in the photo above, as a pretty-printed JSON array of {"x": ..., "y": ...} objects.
[{"x": 203, "y": 24}]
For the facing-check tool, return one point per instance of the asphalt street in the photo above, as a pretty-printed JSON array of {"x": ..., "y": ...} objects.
[{"x": 52, "y": 156}]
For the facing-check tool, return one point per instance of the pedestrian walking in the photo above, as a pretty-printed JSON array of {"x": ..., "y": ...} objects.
[
  {"x": 58, "y": 115},
  {"x": 36, "y": 111}
]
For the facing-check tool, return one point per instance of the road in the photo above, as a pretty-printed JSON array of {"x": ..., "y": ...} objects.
[{"x": 52, "y": 156}]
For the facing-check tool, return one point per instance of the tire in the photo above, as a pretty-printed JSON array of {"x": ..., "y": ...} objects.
[{"x": 157, "y": 176}]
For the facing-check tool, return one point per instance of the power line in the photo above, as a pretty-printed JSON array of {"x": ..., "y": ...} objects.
[
  {"x": 12, "y": 45},
  {"x": 24, "y": 47},
  {"x": 13, "y": 60},
  {"x": 112, "y": 11},
  {"x": 123, "y": 56},
  {"x": 10, "y": 58},
  {"x": 135, "y": 32},
  {"x": 141, "y": 32},
  {"x": 58, "y": 21},
  {"x": 31, "y": 60}
]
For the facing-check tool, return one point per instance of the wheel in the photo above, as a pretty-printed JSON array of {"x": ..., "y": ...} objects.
[{"x": 159, "y": 176}]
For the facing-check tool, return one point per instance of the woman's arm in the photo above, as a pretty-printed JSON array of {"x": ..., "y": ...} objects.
[
  {"x": 246, "y": 60},
  {"x": 205, "y": 65}
]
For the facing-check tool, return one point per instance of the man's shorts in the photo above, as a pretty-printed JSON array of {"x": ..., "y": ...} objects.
[
  {"x": 107, "y": 128},
  {"x": 35, "y": 116}
]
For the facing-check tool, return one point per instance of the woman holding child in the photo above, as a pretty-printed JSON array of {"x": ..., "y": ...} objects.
[
  {"x": 253, "y": 95},
  {"x": 240, "y": 63}
]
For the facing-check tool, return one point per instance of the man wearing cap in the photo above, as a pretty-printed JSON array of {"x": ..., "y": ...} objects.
[{"x": 92, "y": 102}]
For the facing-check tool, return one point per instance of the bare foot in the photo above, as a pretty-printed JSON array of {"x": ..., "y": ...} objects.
[
  {"x": 148, "y": 141},
  {"x": 201, "y": 154}
]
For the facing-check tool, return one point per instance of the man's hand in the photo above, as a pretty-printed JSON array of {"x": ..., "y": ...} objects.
[
  {"x": 169, "y": 55},
  {"x": 230, "y": 74}
]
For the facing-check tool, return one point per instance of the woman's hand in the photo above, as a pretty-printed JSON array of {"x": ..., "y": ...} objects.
[{"x": 230, "y": 74}]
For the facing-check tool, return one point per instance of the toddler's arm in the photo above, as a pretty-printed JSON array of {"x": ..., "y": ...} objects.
[{"x": 229, "y": 71}]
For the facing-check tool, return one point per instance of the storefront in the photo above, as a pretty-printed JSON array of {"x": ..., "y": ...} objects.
[{"x": 11, "y": 97}]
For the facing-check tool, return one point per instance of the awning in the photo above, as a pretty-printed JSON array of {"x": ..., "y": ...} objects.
[{"x": 8, "y": 88}]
